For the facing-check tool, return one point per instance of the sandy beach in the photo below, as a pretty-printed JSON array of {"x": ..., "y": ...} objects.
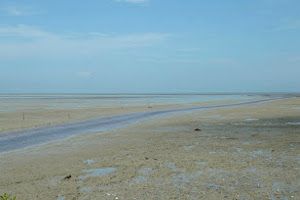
[
  {"x": 149, "y": 100},
  {"x": 243, "y": 152},
  {"x": 18, "y": 112}
]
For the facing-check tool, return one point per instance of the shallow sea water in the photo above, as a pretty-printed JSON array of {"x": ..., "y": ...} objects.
[{"x": 14, "y": 103}]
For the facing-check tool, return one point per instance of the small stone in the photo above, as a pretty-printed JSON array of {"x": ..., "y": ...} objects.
[
  {"x": 68, "y": 177},
  {"x": 277, "y": 193},
  {"x": 197, "y": 129}
]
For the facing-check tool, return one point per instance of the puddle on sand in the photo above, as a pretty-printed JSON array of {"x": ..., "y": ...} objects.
[
  {"x": 293, "y": 123},
  {"x": 86, "y": 190},
  {"x": 261, "y": 153},
  {"x": 188, "y": 148},
  {"x": 171, "y": 166},
  {"x": 89, "y": 162},
  {"x": 146, "y": 171},
  {"x": 213, "y": 186},
  {"x": 60, "y": 198},
  {"x": 139, "y": 180},
  {"x": 218, "y": 174},
  {"x": 97, "y": 172},
  {"x": 185, "y": 178},
  {"x": 143, "y": 175},
  {"x": 250, "y": 119}
]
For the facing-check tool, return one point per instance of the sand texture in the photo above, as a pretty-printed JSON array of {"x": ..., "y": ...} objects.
[{"x": 247, "y": 152}]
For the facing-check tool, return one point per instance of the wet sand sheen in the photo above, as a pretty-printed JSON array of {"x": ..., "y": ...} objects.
[{"x": 21, "y": 139}]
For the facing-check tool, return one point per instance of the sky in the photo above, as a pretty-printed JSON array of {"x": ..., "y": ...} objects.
[{"x": 149, "y": 46}]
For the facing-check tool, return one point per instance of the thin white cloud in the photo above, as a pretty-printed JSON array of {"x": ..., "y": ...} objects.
[
  {"x": 22, "y": 40},
  {"x": 133, "y": 1},
  {"x": 24, "y": 31},
  {"x": 18, "y": 10}
]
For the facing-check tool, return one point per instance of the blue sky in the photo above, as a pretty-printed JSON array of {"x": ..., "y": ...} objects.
[{"x": 113, "y": 46}]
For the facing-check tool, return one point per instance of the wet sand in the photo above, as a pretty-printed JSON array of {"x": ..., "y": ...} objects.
[
  {"x": 247, "y": 152},
  {"x": 18, "y": 112},
  {"x": 13, "y": 140}
]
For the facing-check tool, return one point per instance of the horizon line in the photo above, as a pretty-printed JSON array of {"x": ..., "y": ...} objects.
[{"x": 144, "y": 93}]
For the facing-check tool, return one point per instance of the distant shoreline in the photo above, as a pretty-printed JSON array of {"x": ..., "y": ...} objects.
[
  {"x": 20, "y": 139},
  {"x": 163, "y": 94}
]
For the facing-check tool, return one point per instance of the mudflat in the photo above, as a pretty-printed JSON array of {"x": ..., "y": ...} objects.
[
  {"x": 18, "y": 112},
  {"x": 245, "y": 152},
  {"x": 30, "y": 137}
]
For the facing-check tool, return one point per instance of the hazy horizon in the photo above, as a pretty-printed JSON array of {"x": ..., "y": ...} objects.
[{"x": 149, "y": 46}]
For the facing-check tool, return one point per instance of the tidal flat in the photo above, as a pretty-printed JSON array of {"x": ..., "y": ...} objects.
[
  {"x": 18, "y": 112},
  {"x": 243, "y": 152}
]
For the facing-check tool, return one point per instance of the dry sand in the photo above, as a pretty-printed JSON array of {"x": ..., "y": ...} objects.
[{"x": 249, "y": 152}]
